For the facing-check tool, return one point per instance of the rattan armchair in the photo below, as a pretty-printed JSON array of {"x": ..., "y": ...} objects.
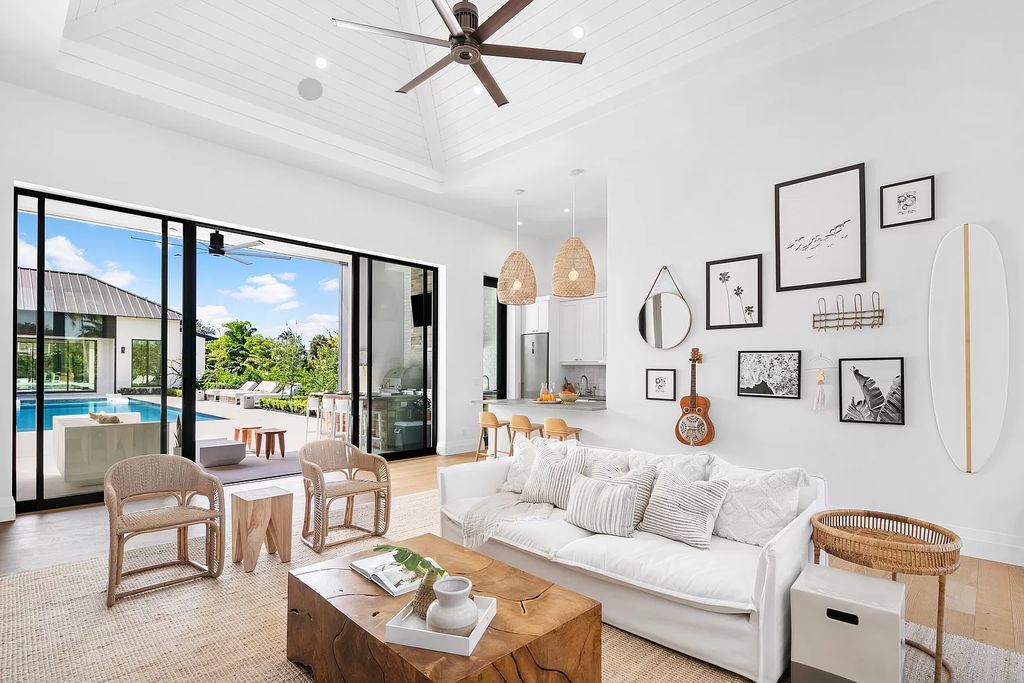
[
  {"x": 154, "y": 476},
  {"x": 319, "y": 458}
]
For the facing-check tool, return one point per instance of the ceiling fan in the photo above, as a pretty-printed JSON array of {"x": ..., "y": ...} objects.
[
  {"x": 468, "y": 42},
  {"x": 215, "y": 246}
]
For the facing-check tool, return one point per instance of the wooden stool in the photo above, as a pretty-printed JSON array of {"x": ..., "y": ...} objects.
[
  {"x": 521, "y": 424},
  {"x": 555, "y": 428},
  {"x": 247, "y": 435},
  {"x": 270, "y": 433},
  {"x": 261, "y": 515},
  {"x": 489, "y": 420}
]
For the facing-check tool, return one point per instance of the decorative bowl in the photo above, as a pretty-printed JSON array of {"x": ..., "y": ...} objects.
[{"x": 568, "y": 399}]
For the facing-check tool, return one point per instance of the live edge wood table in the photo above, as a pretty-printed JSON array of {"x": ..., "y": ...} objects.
[{"x": 541, "y": 632}]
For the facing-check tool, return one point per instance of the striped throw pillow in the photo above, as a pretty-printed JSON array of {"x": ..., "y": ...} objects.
[
  {"x": 684, "y": 511},
  {"x": 551, "y": 477},
  {"x": 643, "y": 476},
  {"x": 603, "y": 507}
]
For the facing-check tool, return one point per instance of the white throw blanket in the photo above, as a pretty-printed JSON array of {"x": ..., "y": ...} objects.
[{"x": 484, "y": 519}]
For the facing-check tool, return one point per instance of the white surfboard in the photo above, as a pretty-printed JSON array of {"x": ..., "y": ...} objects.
[{"x": 969, "y": 344}]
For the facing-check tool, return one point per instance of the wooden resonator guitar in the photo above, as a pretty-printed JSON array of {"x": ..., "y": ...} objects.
[{"x": 694, "y": 426}]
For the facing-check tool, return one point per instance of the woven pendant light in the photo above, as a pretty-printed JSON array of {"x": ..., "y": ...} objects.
[
  {"x": 517, "y": 283},
  {"x": 573, "y": 275}
]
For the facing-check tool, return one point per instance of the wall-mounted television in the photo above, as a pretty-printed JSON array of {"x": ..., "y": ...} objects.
[{"x": 422, "y": 309}]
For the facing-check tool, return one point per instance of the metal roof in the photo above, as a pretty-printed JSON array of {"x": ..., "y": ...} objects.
[{"x": 80, "y": 293}]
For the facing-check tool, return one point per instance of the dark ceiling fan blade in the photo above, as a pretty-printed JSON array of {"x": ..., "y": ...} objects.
[
  {"x": 449, "y": 19},
  {"x": 489, "y": 83},
  {"x": 390, "y": 33},
  {"x": 442, "y": 63},
  {"x": 517, "y": 52},
  {"x": 244, "y": 245},
  {"x": 500, "y": 17}
]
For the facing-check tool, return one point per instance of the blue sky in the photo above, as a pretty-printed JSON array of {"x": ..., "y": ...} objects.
[{"x": 300, "y": 293}]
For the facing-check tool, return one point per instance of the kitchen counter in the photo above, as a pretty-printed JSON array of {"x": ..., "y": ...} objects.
[{"x": 582, "y": 405}]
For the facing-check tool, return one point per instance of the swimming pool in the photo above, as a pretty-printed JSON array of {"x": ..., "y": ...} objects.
[{"x": 150, "y": 412}]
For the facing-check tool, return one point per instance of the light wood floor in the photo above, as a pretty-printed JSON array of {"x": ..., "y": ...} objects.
[{"x": 984, "y": 599}]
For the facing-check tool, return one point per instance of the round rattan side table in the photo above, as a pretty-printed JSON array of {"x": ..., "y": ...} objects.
[{"x": 896, "y": 544}]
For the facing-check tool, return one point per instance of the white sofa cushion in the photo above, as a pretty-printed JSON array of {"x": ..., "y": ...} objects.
[
  {"x": 522, "y": 462},
  {"x": 643, "y": 477},
  {"x": 759, "y": 503},
  {"x": 608, "y": 457},
  {"x": 684, "y": 511},
  {"x": 601, "y": 506},
  {"x": 551, "y": 477},
  {"x": 720, "y": 580},
  {"x": 692, "y": 467},
  {"x": 542, "y": 537}
]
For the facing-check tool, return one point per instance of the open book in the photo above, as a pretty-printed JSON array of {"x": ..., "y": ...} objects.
[{"x": 388, "y": 574}]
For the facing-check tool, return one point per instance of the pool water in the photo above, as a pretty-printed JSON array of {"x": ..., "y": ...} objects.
[{"x": 149, "y": 412}]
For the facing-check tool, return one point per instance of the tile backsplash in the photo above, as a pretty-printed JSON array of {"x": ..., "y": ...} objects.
[{"x": 594, "y": 373}]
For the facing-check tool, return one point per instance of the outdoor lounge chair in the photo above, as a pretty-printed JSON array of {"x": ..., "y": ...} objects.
[
  {"x": 265, "y": 388},
  {"x": 229, "y": 394}
]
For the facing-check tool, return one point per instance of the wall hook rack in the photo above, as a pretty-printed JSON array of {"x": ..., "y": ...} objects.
[{"x": 841, "y": 319}]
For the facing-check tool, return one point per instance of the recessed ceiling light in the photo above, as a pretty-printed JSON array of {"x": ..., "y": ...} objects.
[
  {"x": 478, "y": 90},
  {"x": 310, "y": 89},
  {"x": 566, "y": 210},
  {"x": 321, "y": 63},
  {"x": 578, "y": 32}
]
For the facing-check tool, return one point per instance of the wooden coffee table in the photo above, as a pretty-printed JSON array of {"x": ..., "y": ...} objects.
[{"x": 541, "y": 631}]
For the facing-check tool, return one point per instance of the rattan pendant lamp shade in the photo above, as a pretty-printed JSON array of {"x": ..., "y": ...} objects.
[
  {"x": 573, "y": 275},
  {"x": 517, "y": 283}
]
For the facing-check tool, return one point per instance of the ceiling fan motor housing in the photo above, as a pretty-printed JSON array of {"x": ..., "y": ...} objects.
[
  {"x": 465, "y": 50},
  {"x": 217, "y": 244},
  {"x": 467, "y": 15}
]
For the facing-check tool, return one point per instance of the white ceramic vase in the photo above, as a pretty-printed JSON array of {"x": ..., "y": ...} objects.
[{"x": 454, "y": 611}]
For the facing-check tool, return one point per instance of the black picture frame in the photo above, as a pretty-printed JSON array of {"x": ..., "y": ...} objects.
[
  {"x": 647, "y": 384},
  {"x": 758, "y": 258},
  {"x": 862, "y": 226},
  {"x": 753, "y": 394},
  {"x": 930, "y": 179},
  {"x": 841, "y": 363}
]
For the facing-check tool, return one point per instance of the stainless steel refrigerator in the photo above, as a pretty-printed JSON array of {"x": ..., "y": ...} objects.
[{"x": 534, "y": 363}]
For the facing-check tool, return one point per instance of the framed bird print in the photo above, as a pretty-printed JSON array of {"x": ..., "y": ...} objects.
[
  {"x": 732, "y": 291},
  {"x": 819, "y": 230}
]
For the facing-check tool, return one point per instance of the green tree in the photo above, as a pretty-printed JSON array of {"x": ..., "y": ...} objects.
[
  {"x": 323, "y": 365},
  {"x": 258, "y": 357},
  {"x": 288, "y": 358},
  {"x": 228, "y": 352}
]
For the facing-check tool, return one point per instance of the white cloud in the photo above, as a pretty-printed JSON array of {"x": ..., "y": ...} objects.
[
  {"x": 288, "y": 305},
  {"x": 214, "y": 314},
  {"x": 317, "y": 323},
  {"x": 64, "y": 255},
  {"x": 329, "y": 284},
  {"x": 287, "y": 277},
  {"x": 115, "y": 275},
  {"x": 26, "y": 254},
  {"x": 265, "y": 289}
]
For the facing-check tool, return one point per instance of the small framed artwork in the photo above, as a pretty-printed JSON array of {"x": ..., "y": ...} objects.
[
  {"x": 871, "y": 390},
  {"x": 661, "y": 385},
  {"x": 819, "y": 230},
  {"x": 912, "y": 201},
  {"x": 768, "y": 374},
  {"x": 732, "y": 291}
]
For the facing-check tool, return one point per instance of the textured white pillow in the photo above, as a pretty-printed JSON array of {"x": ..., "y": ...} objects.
[
  {"x": 684, "y": 511},
  {"x": 642, "y": 477},
  {"x": 602, "y": 506},
  {"x": 525, "y": 451},
  {"x": 759, "y": 504},
  {"x": 692, "y": 467},
  {"x": 551, "y": 477},
  {"x": 607, "y": 456}
]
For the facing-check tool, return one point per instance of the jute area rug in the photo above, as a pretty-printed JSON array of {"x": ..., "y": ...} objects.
[{"x": 54, "y": 626}]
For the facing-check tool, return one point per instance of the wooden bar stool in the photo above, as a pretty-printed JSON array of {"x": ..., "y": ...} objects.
[
  {"x": 555, "y": 428},
  {"x": 521, "y": 424},
  {"x": 489, "y": 420},
  {"x": 266, "y": 447}
]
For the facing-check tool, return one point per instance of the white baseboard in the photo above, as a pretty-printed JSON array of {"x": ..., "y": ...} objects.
[
  {"x": 991, "y": 545},
  {"x": 456, "y": 447},
  {"x": 6, "y": 508}
]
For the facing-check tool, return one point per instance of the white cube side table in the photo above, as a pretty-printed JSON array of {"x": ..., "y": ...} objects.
[{"x": 846, "y": 627}]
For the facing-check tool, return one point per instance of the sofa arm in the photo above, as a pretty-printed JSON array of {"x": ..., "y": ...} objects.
[{"x": 472, "y": 479}]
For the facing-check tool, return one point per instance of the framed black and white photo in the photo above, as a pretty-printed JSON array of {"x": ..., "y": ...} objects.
[
  {"x": 819, "y": 230},
  {"x": 661, "y": 385},
  {"x": 871, "y": 390},
  {"x": 732, "y": 290},
  {"x": 911, "y": 201},
  {"x": 768, "y": 374}
]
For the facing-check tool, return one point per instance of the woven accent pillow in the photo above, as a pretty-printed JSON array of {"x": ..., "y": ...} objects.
[
  {"x": 608, "y": 456},
  {"x": 551, "y": 476},
  {"x": 759, "y": 503},
  {"x": 603, "y": 507},
  {"x": 691, "y": 467},
  {"x": 525, "y": 451},
  {"x": 684, "y": 511},
  {"x": 643, "y": 477}
]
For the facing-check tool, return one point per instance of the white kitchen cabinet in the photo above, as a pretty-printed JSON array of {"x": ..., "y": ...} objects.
[
  {"x": 535, "y": 317},
  {"x": 582, "y": 331}
]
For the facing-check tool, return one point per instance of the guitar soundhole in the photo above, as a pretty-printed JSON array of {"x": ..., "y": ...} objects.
[
  {"x": 686, "y": 410},
  {"x": 700, "y": 410}
]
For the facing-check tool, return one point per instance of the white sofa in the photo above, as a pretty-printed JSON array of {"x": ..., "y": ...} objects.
[
  {"x": 728, "y": 605},
  {"x": 83, "y": 448}
]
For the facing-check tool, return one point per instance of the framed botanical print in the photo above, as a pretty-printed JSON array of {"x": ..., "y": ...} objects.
[
  {"x": 769, "y": 374},
  {"x": 871, "y": 390},
  {"x": 819, "y": 230},
  {"x": 911, "y": 201},
  {"x": 732, "y": 290},
  {"x": 661, "y": 385}
]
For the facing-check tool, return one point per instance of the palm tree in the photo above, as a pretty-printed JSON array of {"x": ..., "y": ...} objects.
[
  {"x": 749, "y": 312},
  {"x": 724, "y": 279},
  {"x": 739, "y": 295}
]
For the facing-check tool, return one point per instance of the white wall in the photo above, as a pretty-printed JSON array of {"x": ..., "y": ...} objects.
[
  {"x": 65, "y": 146},
  {"x": 934, "y": 91},
  {"x": 145, "y": 328}
]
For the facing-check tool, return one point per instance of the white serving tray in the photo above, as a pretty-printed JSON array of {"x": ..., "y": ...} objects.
[{"x": 406, "y": 628}]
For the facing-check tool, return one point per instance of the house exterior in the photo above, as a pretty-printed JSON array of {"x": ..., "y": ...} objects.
[{"x": 100, "y": 339}]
